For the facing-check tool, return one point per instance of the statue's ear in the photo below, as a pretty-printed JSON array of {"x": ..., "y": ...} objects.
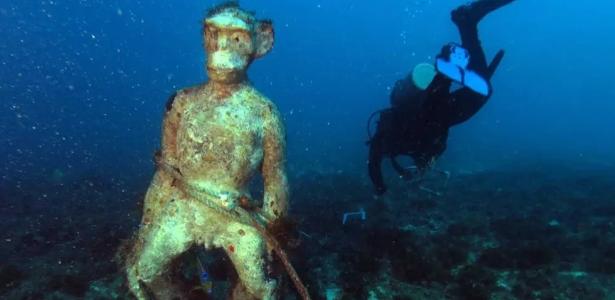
[{"x": 264, "y": 38}]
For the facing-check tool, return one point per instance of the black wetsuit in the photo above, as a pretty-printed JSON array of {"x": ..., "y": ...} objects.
[{"x": 418, "y": 122}]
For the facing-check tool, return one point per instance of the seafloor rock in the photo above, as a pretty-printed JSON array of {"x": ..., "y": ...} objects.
[
  {"x": 492, "y": 235},
  {"x": 73, "y": 285},
  {"x": 10, "y": 277},
  {"x": 523, "y": 229},
  {"x": 475, "y": 283},
  {"x": 525, "y": 257}
]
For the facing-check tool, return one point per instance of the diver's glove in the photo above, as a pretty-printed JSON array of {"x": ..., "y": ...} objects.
[{"x": 453, "y": 61}]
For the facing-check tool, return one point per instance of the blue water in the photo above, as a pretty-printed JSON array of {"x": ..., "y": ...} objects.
[{"x": 83, "y": 83}]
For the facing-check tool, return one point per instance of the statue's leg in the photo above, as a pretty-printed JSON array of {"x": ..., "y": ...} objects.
[
  {"x": 246, "y": 249},
  {"x": 158, "y": 243}
]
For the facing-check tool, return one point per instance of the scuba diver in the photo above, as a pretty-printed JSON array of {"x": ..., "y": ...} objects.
[{"x": 432, "y": 99}]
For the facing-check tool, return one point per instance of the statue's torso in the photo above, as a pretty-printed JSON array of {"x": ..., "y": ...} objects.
[{"x": 220, "y": 141}]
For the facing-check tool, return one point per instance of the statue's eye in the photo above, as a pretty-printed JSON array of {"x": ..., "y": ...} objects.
[
  {"x": 237, "y": 38},
  {"x": 241, "y": 40}
]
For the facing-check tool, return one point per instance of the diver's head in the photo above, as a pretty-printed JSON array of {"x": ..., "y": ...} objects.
[{"x": 233, "y": 39}]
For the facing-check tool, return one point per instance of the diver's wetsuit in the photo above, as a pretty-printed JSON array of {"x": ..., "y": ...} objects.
[{"x": 417, "y": 125}]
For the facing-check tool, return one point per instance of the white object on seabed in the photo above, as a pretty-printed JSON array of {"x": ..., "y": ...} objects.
[{"x": 360, "y": 213}]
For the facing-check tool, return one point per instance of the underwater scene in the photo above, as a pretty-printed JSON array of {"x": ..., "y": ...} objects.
[{"x": 349, "y": 149}]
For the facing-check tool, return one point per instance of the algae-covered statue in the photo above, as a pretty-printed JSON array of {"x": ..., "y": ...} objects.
[{"x": 215, "y": 137}]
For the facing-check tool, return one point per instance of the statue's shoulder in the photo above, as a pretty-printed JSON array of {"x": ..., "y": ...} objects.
[
  {"x": 179, "y": 99},
  {"x": 262, "y": 101}
]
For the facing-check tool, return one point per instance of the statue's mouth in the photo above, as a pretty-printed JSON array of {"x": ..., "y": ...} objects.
[
  {"x": 223, "y": 70},
  {"x": 227, "y": 61}
]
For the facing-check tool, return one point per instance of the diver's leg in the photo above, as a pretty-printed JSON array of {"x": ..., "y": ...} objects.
[
  {"x": 376, "y": 153},
  {"x": 246, "y": 248},
  {"x": 158, "y": 243},
  {"x": 468, "y": 30},
  {"x": 467, "y": 103},
  {"x": 467, "y": 17}
]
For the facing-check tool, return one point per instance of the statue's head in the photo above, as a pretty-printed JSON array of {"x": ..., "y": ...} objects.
[{"x": 233, "y": 39}]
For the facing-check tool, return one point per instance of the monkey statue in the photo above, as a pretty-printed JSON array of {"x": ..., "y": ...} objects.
[{"x": 215, "y": 137}]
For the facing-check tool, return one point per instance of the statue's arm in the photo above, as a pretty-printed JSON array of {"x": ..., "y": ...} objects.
[
  {"x": 275, "y": 202},
  {"x": 170, "y": 124}
]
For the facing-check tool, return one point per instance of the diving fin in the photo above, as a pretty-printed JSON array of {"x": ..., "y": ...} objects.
[
  {"x": 474, "y": 12},
  {"x": 495, "y": 63}
]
